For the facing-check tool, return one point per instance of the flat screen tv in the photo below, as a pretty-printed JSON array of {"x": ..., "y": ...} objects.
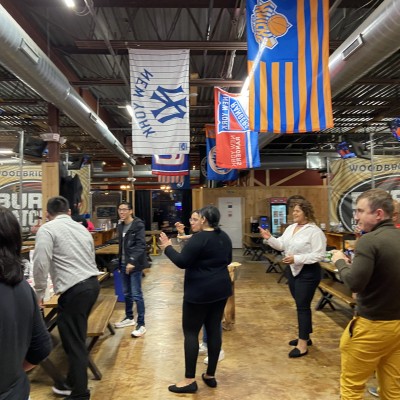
[{"x": 33, "y": 147}]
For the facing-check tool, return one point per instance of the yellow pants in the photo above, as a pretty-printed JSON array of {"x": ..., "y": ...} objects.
[{"x": 367, "y": 346}]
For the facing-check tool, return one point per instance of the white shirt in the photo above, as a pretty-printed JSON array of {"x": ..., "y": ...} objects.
[
  {"x": 307, "y": 245},
  {"x": 64, "y": 248}
]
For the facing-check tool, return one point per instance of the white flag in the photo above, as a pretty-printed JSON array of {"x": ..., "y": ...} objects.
[{"x": 160, "y": 101}]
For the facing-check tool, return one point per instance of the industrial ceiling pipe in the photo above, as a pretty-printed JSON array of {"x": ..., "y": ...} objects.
[{"x": 24, "y": 58}]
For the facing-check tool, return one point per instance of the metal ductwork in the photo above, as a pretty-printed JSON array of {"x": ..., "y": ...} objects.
[
  {"x": 140, "y": 171},
  {"x": 376, "y": 39},
  {"x": 282, "y": 162},
  {"x": 23, "y": 57}
]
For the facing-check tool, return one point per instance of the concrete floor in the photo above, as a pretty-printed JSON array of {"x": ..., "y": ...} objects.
[{"x": 256, "y": 365}]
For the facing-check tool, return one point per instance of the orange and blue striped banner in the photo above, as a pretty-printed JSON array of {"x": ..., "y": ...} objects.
[{"x": 290, "y": 88}]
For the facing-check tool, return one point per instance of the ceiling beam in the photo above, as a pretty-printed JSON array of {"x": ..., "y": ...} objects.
[{"x": 122, "y": 46}]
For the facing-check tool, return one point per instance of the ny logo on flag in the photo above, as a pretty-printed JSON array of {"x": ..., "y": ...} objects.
[
  {"x": 267, "y": 24},
  {"x": 162, "y": 95}
]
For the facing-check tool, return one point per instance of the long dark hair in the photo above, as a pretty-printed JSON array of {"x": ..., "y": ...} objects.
[
  {"x": 212, "y": 215},
  {"x": 11, "y": 268}
]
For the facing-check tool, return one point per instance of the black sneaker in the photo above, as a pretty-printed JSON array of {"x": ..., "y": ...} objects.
[{"x": 62, "y": 389}]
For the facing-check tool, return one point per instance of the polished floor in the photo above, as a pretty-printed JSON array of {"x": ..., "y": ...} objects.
[{"x": 256, "y": 365}]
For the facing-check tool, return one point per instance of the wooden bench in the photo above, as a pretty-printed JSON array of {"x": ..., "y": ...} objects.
[
  {"x": 252, "y": 249},
  {"x": 329, "y": 289},
  {"x": 99, "y": 321},
  {"x": 275, "y": 264}
]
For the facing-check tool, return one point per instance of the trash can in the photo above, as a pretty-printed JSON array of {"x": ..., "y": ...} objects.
[{"x": 118, "y": 285}]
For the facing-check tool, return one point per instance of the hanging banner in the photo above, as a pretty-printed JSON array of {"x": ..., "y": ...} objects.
[
  {"x": 288, "y": 51},
  {"x": 237, "y": 146},
  {"x": 29, "y": 205},
  {"x": 170, "y": 165},
  {"x": 351, "y": 177},
  {"x": 215, "y": 173},
  {"x": 160, "y": 101}
]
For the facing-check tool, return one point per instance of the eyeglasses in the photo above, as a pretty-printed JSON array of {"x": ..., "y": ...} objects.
[
  {"x": 123, "y": 209},
  {"x": 194, "y": 220}
]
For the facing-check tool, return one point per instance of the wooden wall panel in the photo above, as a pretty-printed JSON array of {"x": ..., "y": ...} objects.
[
  {"x": 256, "y": 199},
  {"x": 50, "y": 182}
]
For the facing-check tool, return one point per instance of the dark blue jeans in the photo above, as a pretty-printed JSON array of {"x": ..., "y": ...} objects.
[
  {"x": 132, "y": 287},
  {"x": 303, "y": 287}
]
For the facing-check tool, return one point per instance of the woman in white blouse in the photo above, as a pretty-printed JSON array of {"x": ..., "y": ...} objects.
[{"x": 303, "y": 245}]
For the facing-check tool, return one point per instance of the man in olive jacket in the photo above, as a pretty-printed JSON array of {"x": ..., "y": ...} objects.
[
  {"x": 132, "y": 261},
  {"x": 371, "y": 341}
]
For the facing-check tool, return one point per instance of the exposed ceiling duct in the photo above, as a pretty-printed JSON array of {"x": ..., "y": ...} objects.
[
  {"x": 23, "y": 57},
  {"x": 377, "y": 38},
  {"x": 140, "y": 171}
]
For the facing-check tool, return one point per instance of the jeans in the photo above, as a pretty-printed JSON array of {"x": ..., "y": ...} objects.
[
  {"x": 303, "y": 287},
  {"x": 132, "y": 287},
  {"x": 367, "y": 346},
  {"x": 74, "y": 307}
]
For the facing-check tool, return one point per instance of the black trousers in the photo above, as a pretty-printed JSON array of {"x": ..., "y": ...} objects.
[
  {"x": 74, "y": 307},
  {"x": 193, "y": 318},
  {"x": 303, "y": 287}
]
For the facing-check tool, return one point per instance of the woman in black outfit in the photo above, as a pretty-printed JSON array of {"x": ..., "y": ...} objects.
[
  {"x": 24, "y": 340},
  {"x": 207, "y": 287}
]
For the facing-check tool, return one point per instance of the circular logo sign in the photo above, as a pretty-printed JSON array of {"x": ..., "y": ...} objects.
[{"x": 347, "y": 203}]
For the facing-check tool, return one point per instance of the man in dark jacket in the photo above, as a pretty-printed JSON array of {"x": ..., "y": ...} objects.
[
  {"x": 132, "y": 261},
  {"x": 371, "y": 341}
]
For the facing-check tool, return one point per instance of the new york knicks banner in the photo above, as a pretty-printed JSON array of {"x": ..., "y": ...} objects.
[
  {"x": 237, "y": 146},
  {"x": 170, "y": 168},
  {"x": 159, "y": 96},
  {"x": 290, "y": 89},
  {"x": 215, "y": 173}
]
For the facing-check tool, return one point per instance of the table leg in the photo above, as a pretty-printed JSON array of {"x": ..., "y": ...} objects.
[{"x": 154, "y": 246}]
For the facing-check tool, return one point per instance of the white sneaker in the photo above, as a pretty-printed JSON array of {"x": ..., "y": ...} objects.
[
  {"x": 125, "y": 322},
  {"x": 220, "y": 358},
  {"x": 62, "y": 389},
  {"x": 203, "y": 350},
  {"x": 139, "y": 332},
  {"x": 373, "y": 391}
]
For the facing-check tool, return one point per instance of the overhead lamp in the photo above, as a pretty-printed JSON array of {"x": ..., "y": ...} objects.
[
  {"x": 70, "y": 3},
  {"x": 6, "y": 151},
  {"x": 130, "y": 109}
]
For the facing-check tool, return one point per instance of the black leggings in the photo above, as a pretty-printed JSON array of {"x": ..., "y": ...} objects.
[
  {"x": 303, "y": 287},
  {"x": 193, "y": 317}
]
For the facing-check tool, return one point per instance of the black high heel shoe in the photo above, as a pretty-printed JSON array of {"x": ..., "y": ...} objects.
[
  {"x": 211, "y": 382},
  {"x": 191, "y": 388}
]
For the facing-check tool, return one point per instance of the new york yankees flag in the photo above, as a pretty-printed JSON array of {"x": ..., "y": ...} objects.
[{"x": 160, "y": 101}]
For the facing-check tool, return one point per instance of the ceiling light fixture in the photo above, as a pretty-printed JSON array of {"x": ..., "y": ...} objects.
[
  {"x": 6, "y": 151},
  {"x": 69, "y": 3},
  {"x": 130, "y": 109}
]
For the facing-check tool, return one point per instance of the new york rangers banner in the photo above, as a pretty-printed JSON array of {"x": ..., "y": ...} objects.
[
  {"x": 290, "y": 89},
  {"x": 159, "y": 96},
  {"x": 170, "y": 168},
  {"x": 215, "y": 173},
  {"x": 237, "y": 146}
]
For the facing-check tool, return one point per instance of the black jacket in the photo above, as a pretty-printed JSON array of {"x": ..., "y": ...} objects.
[{"x": 134, "y": 244}]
